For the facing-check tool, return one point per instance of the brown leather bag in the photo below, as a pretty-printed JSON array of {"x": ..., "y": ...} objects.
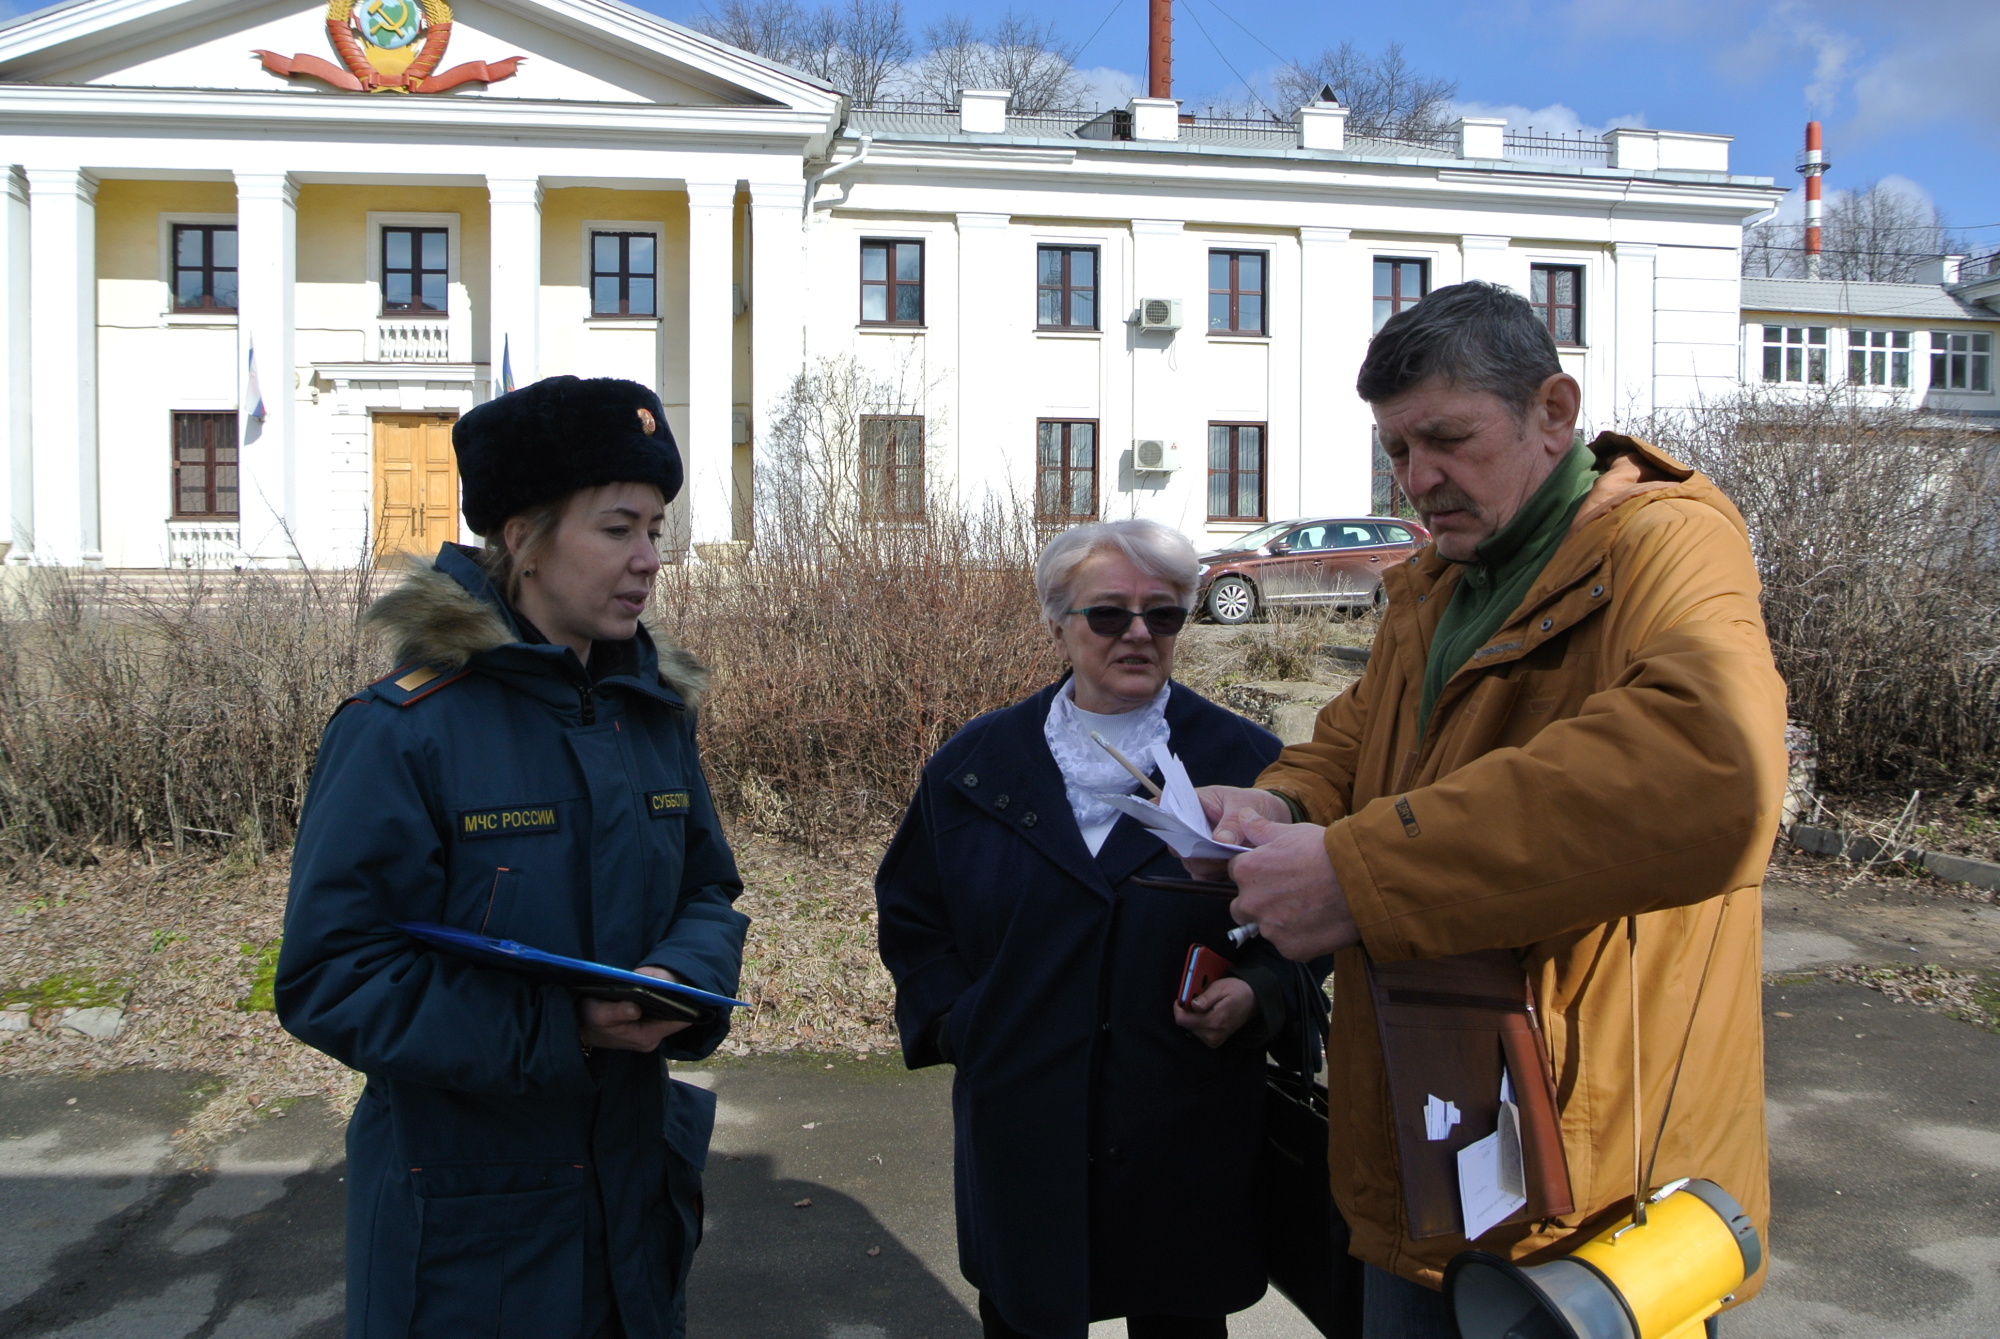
[{"x": 1448, "y": 1027}]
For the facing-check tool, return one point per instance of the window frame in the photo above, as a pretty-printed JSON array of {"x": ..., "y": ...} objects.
[
  {"x": 1547, "y": 310},
  {"x": 416, "y": 270},
  {"x": 627, "y": 228},
  {"x": 1862, "y": 351},
  {"x": 1066, "y": 290},
  {"x": 1397, "y": 302},
  {"x": 1066, "y": 470},
  {"x": 870, "y": 511},
  {"x": 889, "y": 283},
  {"x": 1805, "y": 346},
  {"x": 1234, "y": 470},
  {"x": 1976, "y": 356},
  {"x": 208, "y": 269},
  {"x": 1236, "y": 292},
  {"x": 210, "y": 465}
]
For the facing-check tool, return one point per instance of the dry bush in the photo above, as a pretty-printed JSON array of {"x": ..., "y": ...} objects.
[
  {"x": 847, "y": 648},
  {"x": 185, "y": 713},
  {"x": 1875, "y": 533}
]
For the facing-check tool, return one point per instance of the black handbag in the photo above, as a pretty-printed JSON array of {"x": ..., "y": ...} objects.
[{"x": 1305, "y": 1238}]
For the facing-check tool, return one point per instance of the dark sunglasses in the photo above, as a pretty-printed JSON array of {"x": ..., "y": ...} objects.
[{"x": 1108, "y": 620}]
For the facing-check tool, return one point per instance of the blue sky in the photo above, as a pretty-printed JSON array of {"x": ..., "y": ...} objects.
[{"x": 1907, "y": 90}]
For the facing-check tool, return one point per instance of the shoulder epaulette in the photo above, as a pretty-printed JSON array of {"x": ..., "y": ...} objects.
[{"x": 408, "y": 684}]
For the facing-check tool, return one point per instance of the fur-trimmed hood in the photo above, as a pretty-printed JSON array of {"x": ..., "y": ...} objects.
[{"x": 431, "y": 618}]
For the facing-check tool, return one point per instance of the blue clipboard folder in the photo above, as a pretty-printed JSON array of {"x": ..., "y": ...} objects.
[{"x": 655, "y": 998}]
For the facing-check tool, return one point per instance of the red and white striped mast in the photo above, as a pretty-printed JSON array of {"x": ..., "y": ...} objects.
[{"x": 1813, "y": 164}]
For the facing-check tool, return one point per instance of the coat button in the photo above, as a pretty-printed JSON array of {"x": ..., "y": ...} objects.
[
  {"x": 1596, "y": 591},
  {"x": 1548, "y": 623},
  {"x": 1001, "y": 801},
  {"x": 1028, "y": 819},
  {"x": 971, "y": 781}
]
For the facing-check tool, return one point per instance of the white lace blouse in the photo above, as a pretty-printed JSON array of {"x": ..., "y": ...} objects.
[{"x": 1088, "y": 770}]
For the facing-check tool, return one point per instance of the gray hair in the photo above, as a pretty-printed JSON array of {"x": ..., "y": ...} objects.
[
  {"x": 1155, "y": 549},
  {"x": 1475, "y": 336}
]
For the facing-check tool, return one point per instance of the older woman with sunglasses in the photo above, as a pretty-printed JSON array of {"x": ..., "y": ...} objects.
[{"x": 1106, "y": 1137}]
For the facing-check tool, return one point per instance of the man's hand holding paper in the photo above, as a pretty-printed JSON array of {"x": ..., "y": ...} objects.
[{"x": 1286, "y": 885}]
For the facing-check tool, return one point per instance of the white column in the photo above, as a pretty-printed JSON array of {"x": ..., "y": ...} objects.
[
  {"x": 63, "y": 376},
  {"x": 708, "y": 452},
  {"x": 1488, "y": 258},
  {"x": 1634, "y": 265},
  {"x": 991, "y": 458},
  {"x": 777, "y": 299},
  {"x": 1334, "y": 465},
  {"x": 514, "y": 302},
  {"x": 267, "y": 253},
  {"x": 1165, "y": 265},
  {"x": 17, "y": 461}
]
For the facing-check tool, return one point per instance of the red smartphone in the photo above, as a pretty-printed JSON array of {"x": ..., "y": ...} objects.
[{"x": 1204, "y": 968}]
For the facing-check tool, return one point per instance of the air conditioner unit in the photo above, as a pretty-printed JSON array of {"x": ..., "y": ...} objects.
[
  {"x": 1150, "y": 455},
  {"x": 1159, "y": 313}
]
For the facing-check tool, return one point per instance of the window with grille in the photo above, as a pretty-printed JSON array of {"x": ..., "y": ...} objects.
[
  {"x": 1236, "y": 284},
  {"x": 1878, "y": 357},
  {"x": 624, "y": 274},
  {"x": 1066, "y": 471},
  {"x": 1399, "y": 283},
  {"x": 205, "y": 267},
  {"x": 1795, "y": 353},
  {"x": 892, "y": 283},
  {"x": 1066, "y": 288},
  {"x": 1556, "y": 293},
  {"x": 205, "y": 466},
  {"x": 1961, "y": 361},
  {"x": 892, "y": 467},
  {"x": 1236, "y": 471},
  {"x": 415, "y": 270}
]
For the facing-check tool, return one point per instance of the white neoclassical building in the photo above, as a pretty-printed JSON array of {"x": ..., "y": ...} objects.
[{"x": 260, "y": 253}]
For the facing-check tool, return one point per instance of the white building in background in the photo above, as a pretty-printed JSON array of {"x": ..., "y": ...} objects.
[
  {"x": 1927, "y": 345},
  {"x": 1133, "y": 313}
]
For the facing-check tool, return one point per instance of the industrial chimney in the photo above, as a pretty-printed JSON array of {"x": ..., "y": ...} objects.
[
  {"x": 1813, "y": 164},
  {"x": 1160, "y": 50}
]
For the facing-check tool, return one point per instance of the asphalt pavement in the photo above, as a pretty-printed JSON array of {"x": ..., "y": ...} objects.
[{"x": 829, "y": 1193}]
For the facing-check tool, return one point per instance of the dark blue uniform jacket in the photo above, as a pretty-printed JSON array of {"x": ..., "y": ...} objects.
[
  {"x": 498, "y": 1181},
  {"x": 1105, "y": 1158}
]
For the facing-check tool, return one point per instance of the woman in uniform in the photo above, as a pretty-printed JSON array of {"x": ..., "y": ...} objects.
[
  {"x": 1106, "y": 1138},
  {"x": 520, "y": 1163}
]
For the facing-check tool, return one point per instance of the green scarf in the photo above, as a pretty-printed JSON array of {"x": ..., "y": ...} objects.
[{"x": 1502, "y": 569}]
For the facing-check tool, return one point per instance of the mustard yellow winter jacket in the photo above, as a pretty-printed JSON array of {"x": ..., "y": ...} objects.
[{"x": 1616, "y": 749}]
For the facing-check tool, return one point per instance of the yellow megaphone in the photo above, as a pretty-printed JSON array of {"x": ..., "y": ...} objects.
[{"x": 1659, "y": 1278}]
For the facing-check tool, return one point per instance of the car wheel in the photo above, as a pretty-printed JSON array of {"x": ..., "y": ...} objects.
[
  {"x": 1380, "y": 599},
  {"x": 1232, "y": 600}
]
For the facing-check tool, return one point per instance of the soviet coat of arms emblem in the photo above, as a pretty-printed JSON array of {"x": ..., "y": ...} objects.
[{"x": 389, "y": 46}]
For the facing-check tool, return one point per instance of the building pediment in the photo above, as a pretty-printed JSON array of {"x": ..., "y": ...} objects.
[{"x": 585, "y": 51}]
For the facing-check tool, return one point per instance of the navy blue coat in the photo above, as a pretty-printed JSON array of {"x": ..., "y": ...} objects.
[
  {"x": 1105, "y": 1158},
  {"x": 496, "y": 1177}
]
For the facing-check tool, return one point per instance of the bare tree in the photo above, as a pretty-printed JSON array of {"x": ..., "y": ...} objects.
[
  {"x": 1877, "y": 233},
  {"x": 1015, "y": 53},
  {"x": 1384, "y": 97},
  {"x": 861, "y": 47}
]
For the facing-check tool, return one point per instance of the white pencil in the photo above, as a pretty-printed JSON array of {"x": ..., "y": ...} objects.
[{"x": 1126, "y": 763}]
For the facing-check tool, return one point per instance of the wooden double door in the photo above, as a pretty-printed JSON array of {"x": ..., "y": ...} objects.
[{"x": 416, "y": 486}]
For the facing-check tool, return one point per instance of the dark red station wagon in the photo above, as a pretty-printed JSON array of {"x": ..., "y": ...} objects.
[{"x": 1330, "y": 561}]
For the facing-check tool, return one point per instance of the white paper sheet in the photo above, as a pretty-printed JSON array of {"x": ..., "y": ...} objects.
[
  {"x": 1177, "y": 819},
  {"x": 1439, "y": 1117},
  {"x": 1482, "y": 1197}
]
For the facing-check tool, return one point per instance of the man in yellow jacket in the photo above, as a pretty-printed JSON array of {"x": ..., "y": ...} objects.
[{"x": 1570, "y": 724}]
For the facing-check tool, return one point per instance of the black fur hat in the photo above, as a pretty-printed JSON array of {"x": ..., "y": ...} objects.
[{"x": 547, "y": 440}]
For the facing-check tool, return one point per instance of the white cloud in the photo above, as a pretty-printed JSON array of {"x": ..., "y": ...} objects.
[
  {"x": 1109, "y": 87},
  {"x": 1554, "y": 119}
]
